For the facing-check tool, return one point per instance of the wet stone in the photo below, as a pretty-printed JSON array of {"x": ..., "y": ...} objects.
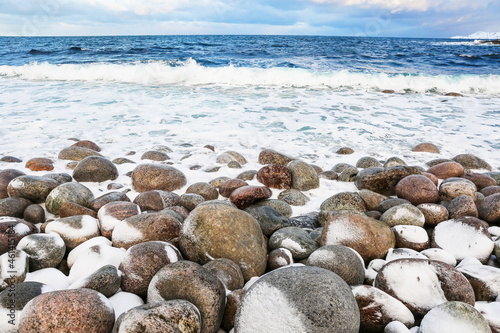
[{"x": 293, "y": 197}]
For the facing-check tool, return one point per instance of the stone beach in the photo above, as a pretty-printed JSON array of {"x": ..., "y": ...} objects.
[{"x": 147, "y": 242}]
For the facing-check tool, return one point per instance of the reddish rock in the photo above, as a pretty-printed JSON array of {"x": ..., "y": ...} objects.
[
  {"x": 5, "y": 177},
  {"x": 433, "y": 213},
  {"x": 156, "y": 200},
  {"x": 435, "y": 281},
  {"x": 75, "y": 153},
  {"x": 411, "y": 237},
  {"x": 462, "y": 206},
  {"x": 72, "y": 209},
  {"x": 417, "y": 189},
  {"x": 12, "y": 230},
  {"x": 371, "y": 199},
  {"x": 154, "y": 155},
  {"x": 487, "y": 191},
  {"x": 227, "y": 187},
  {"x": 244, "y": 196},
  {"x": 275, "y": 176},
  {"x": 40, "y": 164},
  {"x": 427, "y": 148},
  {"x": 447, "y": 170},
  {"x": 433, "y": 178},
  {"x": 112, "y": 213},
  {"x": 74, "y": 310},
  {"x": 147, "y": 177},
  {"x": 383, "y": 180},
  {"x": 104, "y": 199},
  {"x": 357, "y": 231},
  {"x": 87, "y": 144},
  {"x": 269, "y": 156},
  {"x": 142, "y": 261},
  {"x": 489, "y": 208},
  {"x": 228, "y": 272},
  {"x": 480, "y": 180}
]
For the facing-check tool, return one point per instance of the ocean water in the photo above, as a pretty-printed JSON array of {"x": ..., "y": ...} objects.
[{"x": 304, "y": 95}]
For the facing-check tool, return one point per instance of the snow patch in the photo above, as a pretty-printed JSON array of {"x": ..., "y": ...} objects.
[{"x": 123, "y": 301}]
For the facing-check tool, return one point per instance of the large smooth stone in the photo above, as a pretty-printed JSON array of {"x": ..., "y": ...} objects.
[
  {"x": 220, "y": 231},
  {"x": 95, "y": 169},
  {"x": 147, "y": 177},
  {"x": 33, "y": 188},
  {"x": 191, "y": 282},
  {"x": 304, "y": 177},
  {"x": 423, "y": 284},
  {"x": 383, "y": 180},
  {"x": 298, "y": 299},
  {"x": 68, "y": 192}
]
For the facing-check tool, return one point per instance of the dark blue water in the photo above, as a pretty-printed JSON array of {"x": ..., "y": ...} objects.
[{"x": 356, "y": 54}]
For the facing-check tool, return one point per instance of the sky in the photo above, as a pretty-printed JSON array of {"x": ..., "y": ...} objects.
[{"x": 377, "y": 18}]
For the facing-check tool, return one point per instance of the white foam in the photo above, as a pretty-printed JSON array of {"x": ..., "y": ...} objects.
[{"x": 190, "y": 73}]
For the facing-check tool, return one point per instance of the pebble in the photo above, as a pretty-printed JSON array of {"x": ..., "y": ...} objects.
[
  {"x": 304, "y": 177},
  {"x": 412, "y": 237},
  {"x": 75, "y": 153},
  {"x": 344, "y": 201},
  {"x": 426, "y": 147},
  {"x": 105, "y": 280},
  {"x": 279, "y": 258},
  {"x": 462, "y": 206},
  {"x": 269, "y": 156},
  {"x": 40, "y": 164},
  {"x": 368, "y": 162},
  {"x": 207, "y": 191},
  {"x": 87, "y": 144},
  {"x": 154, "y": 155}
]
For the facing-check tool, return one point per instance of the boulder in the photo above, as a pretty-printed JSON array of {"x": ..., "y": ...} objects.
[
  {"x": 470, "y": 161},
  {"x": 294, "y": 239},
  {"x": 383, "y": 180},
  {"x": 33, "y": 188},
  {"x": 6, "y": 176},
  {"x": 75, "y": 153},
  {"x": 344, "y": 201},
  {"x": 44, "y": 250},
  {"x": 74, "y": 230},
  {"x": 269, "y": 156},
  {"x": 68, "y": 192},
  {"x": 244, "y": 196},
  {"x": 489, "y": 209},
  {"x": 447, "y": 170},
  {"x": 275, "y": 176},
  {"x": 304, "y": 177},
  {"x": 417, "y": 189},
  {"x": 95, "y": 169},
  {"x": 455, "y": 187},
  {"x": 147, "y": 177}
]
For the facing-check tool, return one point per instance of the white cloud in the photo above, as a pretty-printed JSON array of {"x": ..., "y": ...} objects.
[{"x": 410, "y": 5}]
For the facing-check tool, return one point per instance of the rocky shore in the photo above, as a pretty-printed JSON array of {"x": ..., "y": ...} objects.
[{"x": 137, "y": 243}]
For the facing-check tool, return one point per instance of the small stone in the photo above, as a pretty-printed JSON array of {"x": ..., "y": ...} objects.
[
  {"x": 244, "y": 196},
  {"x": 142, "y": 261},
  {"x": 489, "y": 208},
  {"x": 75, "y": 153},
  {"x": 462, "y": 206},
  {"x": 145, "y": 227},
  {"x": 68, "y": 192},
  {"x": 190, "y": 200},
  {"x": 487, "y": 191},
  {"x": 345, "y": 151},
  {"x": 304, "y": 177},
  {"x": 279, "y": 258},
  {"x": 280, "y": 205},
  {"x": 427, "y": 148},
  {"x": 71, "y": 165},
  {"x": 298, "y": 299},
  {"x": 372, "y": 199},
  {"x": 40, "y": 164},
  {"x": 72, "y": 209},
  {"x": 105, "y": 280},
  {"x": 167, "y": 316},
  {"x": 74, "y": 230},
  {"x": 10, "y": 159},
  {"x": 34, "y": 214},
  {"x": 470, "y": 161},
  {"x": 207, "y": 191},
  {"x": 77, "y": 310},
  {"x": 433, "y": 213},
  {"x": 229, "y": 156},
  {"x": 275, "y": 176},
  {"x": 294, "y": 239},
  {"x": 190, "y": 281},
  {"x": 403, "y": 215},
  {"x": 122, "y": 160},
  {"x": 480, "y": 180},
  {"x": 12, "y": 230},
  {"x": 234, "y": 165},
  {"x": 156, "y": 200},
  {"x": 454, "y": 314},
  {"x": 247, "y": 175},
  {"x": 228, "y": 272},
  {"x": 269, "y": 218},
  {"x": 87, "y": 144},
  {"x": 435, "y": 281},
  {"x": 475, "y": 240},
  {"x": 344, "y": 201},
  {"x": 417, "y": 189},
  {"x": 6, "y": 176},
  {"x": 388, "y": 91},
  {"x": 293, "y": 197},
  {"x": 378, "y": 309},
  {"x": 147, "y": 177},
  {"x": 330, "y": 175},
  {"x": 411, "y": 237},
  {"x": 339, "y": 167},
  {"x": 447, "y": 170},
  {"x": 454, "y": 94},
  {"x": 104, "y": 199},
  {"x": 33, "y": 188},
  {"x": 228, "y": 186},
  {"x": 14, "y": 207},
  {"x": 210, "y": 147},
  {"x": 95, "y": 169},
  {"x": 44, "y": 250},
  {"x": 394, "y": 161},
  {"x": 155, "y": 156},
  {"x": 269, "y": 156},
  {"x": 306, "y": 221},
  {"x": 368, "y": 162},
  {"x": 455, "y": 187},
  {"x": 341, "y": 260}
]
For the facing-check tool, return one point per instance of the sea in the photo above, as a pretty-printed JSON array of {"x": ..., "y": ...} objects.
[{"x": 306, "y": 96}]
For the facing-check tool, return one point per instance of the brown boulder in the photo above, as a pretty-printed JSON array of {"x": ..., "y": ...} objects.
[
  {"x": 95, "y": 169},
  {"x": 5, "y": 177},
  {"x": 454, "y": 187},
  {"x": 269, "y": 156},
  {"x": 275, "y": 176},
  {"x": 40, "y": 164},
  {"x": 489, "y": 208},
  {"x": 112, "y": 213},
  {"x": 146, "y": 177},
  {"x": 71, "y": 209},
  {"x": 244, "y": 196},
  {"x": 75, "y": 153},
  {"x": 480, "y": 180},
  {"x": 433, "y": 213},
  {"x": 462, "y": 206},
  {"x": 417, "y": 189},
  {"x": 227, "y": 187},
  {"x": 447, "y": 170},
  {"x": 470, "y": 161},
  {"x": 87, "y": 144},
  {"x": 426, "y": 147},
  {"x": 156, "y": 200},
  {"x": 383, "y": 180},
  {"x": 207, "y": 191}
]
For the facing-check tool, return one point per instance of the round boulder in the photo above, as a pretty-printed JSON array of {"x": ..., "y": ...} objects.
[
  {"x": 298, "y": 299},
  {"x": 44, "y": 250},
  {"x": 74, "y": 230},
  {"x": 147, "y": 177},
  {"x": 228, "y": 272},
  {"x": 455, "y": 187},
  {"x": 489, "y": 208},
  {"x": 189, "y": 281},
  {"x": 244, "y": 196},
  {"x": 275, "y": 176},
  {"x": 95, "y": 169},
  {"x": 6, "y": 177},
  {"x": 304, "y": 177},
  {"x": 344, "y": 201},
  {"x": 68, "y": 192},
  {"x": 33, "y": 188},
  {"x": 112, "y": 213},
  {"x": 447, "y": 170},
  {"x": 77, "y": 310},
  {"x": 417, "y": 189},
  {"x": 294, "y": 239},
  {"x": 220, "y": 231},
  {"x": 405, "y": 214}
]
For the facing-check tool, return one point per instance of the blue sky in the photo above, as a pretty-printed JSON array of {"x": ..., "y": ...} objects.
[{"x": 390, "y": 18}]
